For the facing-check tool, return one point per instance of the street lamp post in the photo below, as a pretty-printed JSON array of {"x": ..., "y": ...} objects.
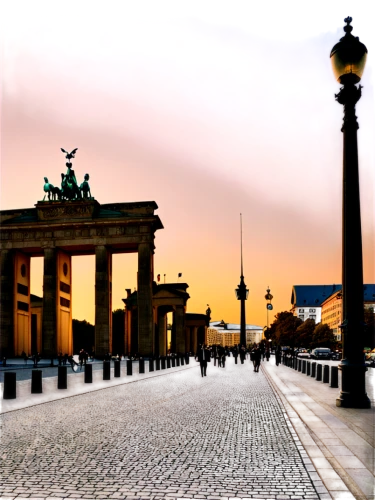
[
  {"x": 348, "y": 59},
  {"x": 242, "y": 293},
  {"x": 268, "y": 298}
]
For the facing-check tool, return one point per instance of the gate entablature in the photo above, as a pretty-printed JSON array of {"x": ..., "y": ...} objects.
[{"x": 79, "y": 226}]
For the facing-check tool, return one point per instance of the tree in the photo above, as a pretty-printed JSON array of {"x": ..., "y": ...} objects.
[
  {"x": 369, "y": 337},
  {"x": 304, "y": 333},
  {"x": 323, "y": 336},
  {"x": 283, "y": 329},
  {"x": 83, "y": 336},
  {"x": 118, "y": 332}
]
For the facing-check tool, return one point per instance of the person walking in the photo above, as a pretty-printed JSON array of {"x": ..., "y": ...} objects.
[
  {"x": 203, "y": 356},
  {"x": 257, "y": 355},
  {"x": 81, "y": 358},
  {"x": 235, "y": 353},
  {"x": 242, "y": 354},
  {"x": 223, "y": 358},
  {"x": 278, "y": 355},
  {"x": 214, "y": 353},
  {"x": 268, "y": 355}
]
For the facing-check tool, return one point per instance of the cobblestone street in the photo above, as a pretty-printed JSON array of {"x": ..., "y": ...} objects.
[{"x": 175, "y": 436}]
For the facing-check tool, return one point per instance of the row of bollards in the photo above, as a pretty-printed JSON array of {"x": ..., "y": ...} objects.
[
  {"x": 10, "y": 387},
  {"x": 326, "y": 374}
]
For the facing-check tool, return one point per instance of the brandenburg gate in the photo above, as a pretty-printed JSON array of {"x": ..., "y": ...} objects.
[{"x": 70, "y": 222}]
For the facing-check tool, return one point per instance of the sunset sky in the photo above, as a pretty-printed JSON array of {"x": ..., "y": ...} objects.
[{"x": 210, "y": 108}]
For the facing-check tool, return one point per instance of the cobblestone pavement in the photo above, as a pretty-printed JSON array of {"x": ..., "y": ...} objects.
[{"x": 175, "y": 436}]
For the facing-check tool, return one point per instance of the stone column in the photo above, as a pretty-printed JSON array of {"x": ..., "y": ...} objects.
[
  {"x": 134, "y": 331},
  {"x": 162, "y": 332},
  {"x": 49, "y": 319},
  {"x": 173, "y": 333},
  {"x": 145, "y": 320},
  {"x": 103, "y": 301},
  {"x": 187, "y": 338},
  {"x": 195, "y": 339},
  {"x": 180, "y": 329},
  {"x": 6, "y": 303}
]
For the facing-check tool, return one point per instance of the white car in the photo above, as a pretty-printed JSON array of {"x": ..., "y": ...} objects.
[{"x": 303, "y": 353}]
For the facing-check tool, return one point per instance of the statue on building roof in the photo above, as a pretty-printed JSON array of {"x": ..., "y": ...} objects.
[{"x": 70, "y": 190}]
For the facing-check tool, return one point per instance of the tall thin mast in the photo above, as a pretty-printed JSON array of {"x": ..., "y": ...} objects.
[{"x": 241, "y": 245}]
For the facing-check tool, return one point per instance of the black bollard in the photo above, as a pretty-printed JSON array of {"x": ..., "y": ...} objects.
[
  {"x": 182, "y": 360},
  {"x": 36, "y": 382},
  {"x": 299, "y": 364},
  {"x": 173, "y": 362},
  {"x": 313, "y": 369},
  {"x": 88, "y": 374},
  {"x": 129, "y": 367},
  {"x": 141, "y": 365},
  {"x": 308, "y": 368},
  {"x": 157, "y": 362},
  {"x": 151, "y": 365},
  {"x": 177, "y": 361},
  {"x": 106, "y": 370},
  {"x": 334, "y": 377},
  {"x": 62, "y": 377},
  {"x": 295, "y": 363},
  {"x": 319, "y": 370},
  {"x": 168, "y": 362},
  {"x": 10, "y": 386},
  {"x": 304, "y": 366},
  {"x": 117, "y": 368},
  {"x": 162, "y": 363},
  {"x": 187, "y": 358},
  {"x": 325, "y": 374}
]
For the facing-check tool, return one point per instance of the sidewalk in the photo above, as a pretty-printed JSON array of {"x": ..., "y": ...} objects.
[{"x": 339, "y": 441}]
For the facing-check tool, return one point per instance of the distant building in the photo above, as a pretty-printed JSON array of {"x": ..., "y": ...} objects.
[
  {"x": 307, "y": 300},
  {"x": 323, "y": 303},
  {"x": 332, "y": 307},
  {"x": 228, "y": 334}
]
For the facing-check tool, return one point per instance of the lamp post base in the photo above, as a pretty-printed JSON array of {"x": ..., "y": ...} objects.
[{"x": 353, "y": 387}]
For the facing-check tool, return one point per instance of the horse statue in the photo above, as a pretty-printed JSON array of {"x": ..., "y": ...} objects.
[
  {"x": 69, "y": 187},
  {"x": 85, "y": 188},
  {"x": 50, "y": 189}
]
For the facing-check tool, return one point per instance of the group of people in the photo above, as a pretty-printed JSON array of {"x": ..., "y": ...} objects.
[
  {"x": 219, "y": 353},
  {"x": 35, "y": 358}
]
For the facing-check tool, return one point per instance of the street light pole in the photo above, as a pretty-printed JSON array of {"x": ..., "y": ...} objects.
[
  {"x": 269, "y": 306},
  {"x": 242, "y": 294},
  {"x": 348, "y": 60}
]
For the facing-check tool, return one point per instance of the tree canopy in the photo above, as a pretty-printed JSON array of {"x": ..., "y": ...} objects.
[
  {"x": 323, "y": 336},
  {"x": 288, "y": 330},
  {"x": 283, "y": 329}
]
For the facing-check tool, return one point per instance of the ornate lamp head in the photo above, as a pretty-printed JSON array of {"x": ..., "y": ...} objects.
[{"x": 348, "y": 57}]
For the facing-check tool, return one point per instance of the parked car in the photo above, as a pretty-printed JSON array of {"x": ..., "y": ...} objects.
[
  {"x": 336, "y": 355},
  {"x": 321, "y": 353},
  {"x": 303, "y": 353}
]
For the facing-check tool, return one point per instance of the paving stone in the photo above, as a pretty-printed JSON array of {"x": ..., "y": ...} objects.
[{"x": 174, "y": 436}]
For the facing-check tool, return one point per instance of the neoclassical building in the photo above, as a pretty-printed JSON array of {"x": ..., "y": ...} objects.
[
  {"x": 188, "y": 329},
  {"x": 228, "y": 334}
]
